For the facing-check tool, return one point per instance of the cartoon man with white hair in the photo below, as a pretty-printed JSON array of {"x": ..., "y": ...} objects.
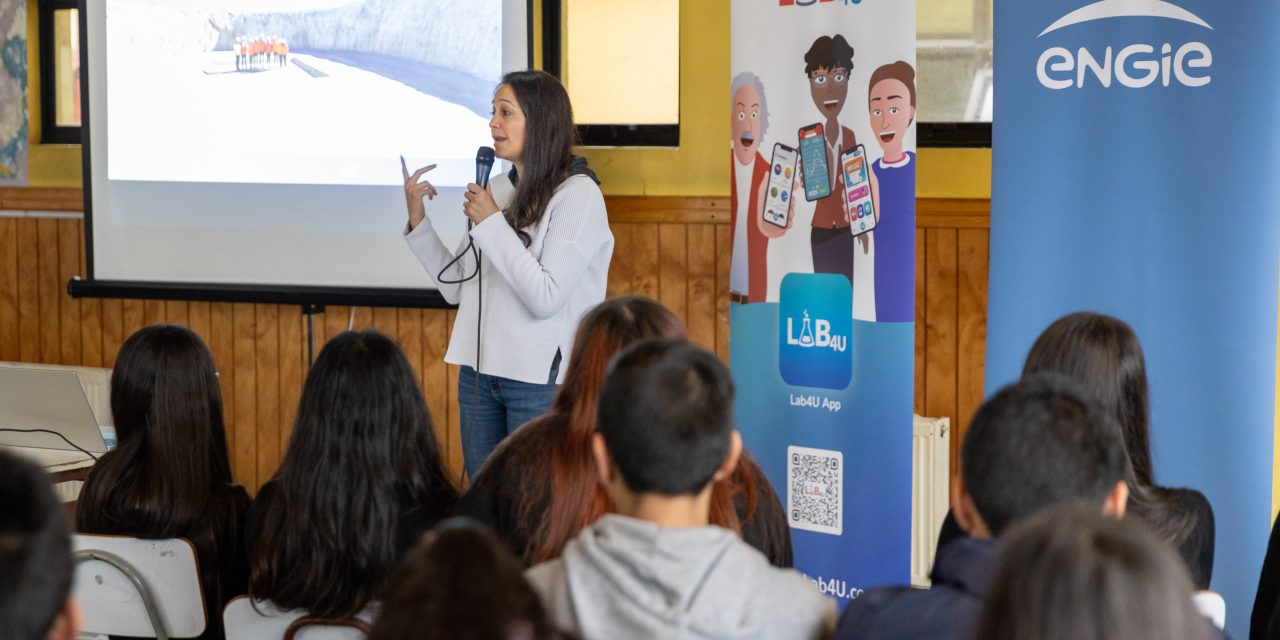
[{"x": 748, "y": 273}]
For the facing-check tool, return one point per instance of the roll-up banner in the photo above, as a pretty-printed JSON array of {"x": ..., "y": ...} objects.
[
  {"x": 1135, "y": 174},
  {"x": 822, "y": 282}
]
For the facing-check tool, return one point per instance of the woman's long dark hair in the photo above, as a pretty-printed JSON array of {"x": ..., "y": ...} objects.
[
  {"x": 1103, "y": 354},
  {"x": 461, "y": 582},
  {"x": 1072, "y": 574},
  {"x": 170, "y": 462},
  {"x": 169, "y": 476},
  {"x": 362, "y": 454},
  {"x": 549, "y": 136}
]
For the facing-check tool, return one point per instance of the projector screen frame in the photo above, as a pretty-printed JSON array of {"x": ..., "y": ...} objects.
[{"x": 312, "y": 299}]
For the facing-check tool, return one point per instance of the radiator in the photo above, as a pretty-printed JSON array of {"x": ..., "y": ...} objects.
[
  {"x": 96, "y": 383},
  {"x": 930, "y": 491}
]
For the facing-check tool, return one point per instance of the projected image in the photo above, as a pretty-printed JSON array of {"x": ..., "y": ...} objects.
[{"x": 298, "y": 91}]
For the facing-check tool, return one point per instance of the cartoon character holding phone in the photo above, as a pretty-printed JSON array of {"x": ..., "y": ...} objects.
[
  {"x": 750, "y": 179},
  {"x": 827, "y": 66}
]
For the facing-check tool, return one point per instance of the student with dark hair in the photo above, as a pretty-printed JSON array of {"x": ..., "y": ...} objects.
[
  {"x": 35, "y": 557},
  {"x": 360, "y": 482},
  {"x": 169, "y": 475},
  {"x": 1037, "y": 443},
  {"x": 1072, "y": 574},
  {"x": 1103, "y": 355},
  {"x": 460, "y": 582},
  {"x": 544, "y": 247},
  {"x": 541, "y": 487},
  {"x": 656, "y": 567}
]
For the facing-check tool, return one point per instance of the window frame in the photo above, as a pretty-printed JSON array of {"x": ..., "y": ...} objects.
[
  {"x": 50, "y": 131},
  {"x": 599, "y": 135}
]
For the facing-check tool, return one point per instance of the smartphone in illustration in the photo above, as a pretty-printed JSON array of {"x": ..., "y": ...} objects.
[
  {"x": 857, "y": 190},
  {"x": 813, "y": 155},
  {"x": 777, "y": 196}
]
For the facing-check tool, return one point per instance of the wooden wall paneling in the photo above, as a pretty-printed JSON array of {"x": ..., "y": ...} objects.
[
  {"x": 329, "y": 324},
  {"x": 48, "y": 291},
  {"x": 153, "y": 312},
  {"x": 386, "y": 321},
  {"x": 971, "y": 313},
  {"x": 453, "y": 441},
  {"x": 940, "y": 327},
  {"x": 177, "y": 312},
  {"x": 266, "y": 337},
  {"x": 113, "y": 330},
  {"x": 673, "y": 278},
  {"x": 91, "y": 354},
  {"x": 244, "y": 459},
  {"x": 922, "y": 344},
  {"x": 134, "y": 317},
  {"x": 702, "y": 285},
  {"x": 29, "y": 259},
  {"x": 439, "y": 392},
  {"x": 222, "y": 345},
  {"x": 644, "y": 260},
  {"x": 69, "y": 322},
  {"x": 724, "y": 249},
  {"x": 293, "y": 370},
  {"x": 9, "y": 334},
  {"x": 199, "y": 320},
  {"x": 620, "y": 267}
]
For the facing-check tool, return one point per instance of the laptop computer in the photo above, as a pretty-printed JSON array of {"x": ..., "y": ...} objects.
[{"x": 54, "y": 403}]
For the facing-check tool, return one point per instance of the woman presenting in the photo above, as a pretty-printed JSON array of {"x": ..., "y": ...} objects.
[{"x": 544, "y": 247}]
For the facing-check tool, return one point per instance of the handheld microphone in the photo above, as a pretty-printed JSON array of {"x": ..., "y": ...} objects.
[{"x": 484, "y": 164}]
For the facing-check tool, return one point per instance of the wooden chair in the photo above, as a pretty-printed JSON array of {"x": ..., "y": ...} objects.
[
  {"x": 133, "y": 587},
  {"x": 246, "y": 619}
]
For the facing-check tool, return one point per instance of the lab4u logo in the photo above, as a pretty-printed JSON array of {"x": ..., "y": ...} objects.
[{"x": 815, "y": 325}]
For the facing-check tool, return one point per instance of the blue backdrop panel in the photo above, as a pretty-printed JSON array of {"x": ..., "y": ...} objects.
[
  {"x": 869, "y": 422},
  {"x": 1135, "y": 174}
]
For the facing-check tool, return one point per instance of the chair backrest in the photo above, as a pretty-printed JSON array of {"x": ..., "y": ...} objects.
[
  {"x": 246, "y": 619},
  {"x": 133, "y": 587},
  {"x": 1212, "y": 606}
]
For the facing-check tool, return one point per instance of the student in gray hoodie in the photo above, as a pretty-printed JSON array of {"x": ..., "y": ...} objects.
[{"x": 655, "y": 568}]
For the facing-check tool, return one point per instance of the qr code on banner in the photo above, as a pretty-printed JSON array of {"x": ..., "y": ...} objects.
[{"x": 815, "y": 490}]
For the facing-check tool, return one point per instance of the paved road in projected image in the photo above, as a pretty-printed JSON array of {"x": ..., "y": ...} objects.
[{"x": 197, "y": 119}]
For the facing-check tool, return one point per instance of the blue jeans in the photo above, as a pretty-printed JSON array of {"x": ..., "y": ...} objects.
[{"x": 491, "y": 408}]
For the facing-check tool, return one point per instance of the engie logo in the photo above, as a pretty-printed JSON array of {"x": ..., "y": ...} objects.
[
  {"x": 1135, "y": 65},
  {"x": 815, "y": 325}
]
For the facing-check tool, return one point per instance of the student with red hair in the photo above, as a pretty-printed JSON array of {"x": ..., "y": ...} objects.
[{"x": 541, "y": 487}]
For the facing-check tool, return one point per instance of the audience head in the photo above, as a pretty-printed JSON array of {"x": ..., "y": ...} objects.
[
  {"x": 171, "y": 452},
  {"x": 1071, "y": 574},
  {"x": 35, "y": 556},
  {"x": 1037, "y": 443},
  {"x": 363, "y": 452},
  {"x": 576, "y": 498},
  {"x": 665, "y": 421},
  {"x": 460, "y": 582},
  {"x": 1103, "y": 355}
]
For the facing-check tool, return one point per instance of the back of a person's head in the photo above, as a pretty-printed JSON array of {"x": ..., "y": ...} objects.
[
  {"x": 363, "y": 451},
  {"x": 171, "y": 454},
  {"x": 35, "y": 552},
  {"x": 666, "y": 416},
  {"x": 1072, "y": 574},
  {"x": 1102, "y": 355},
  {"x": 1037, "y": 443},
  {"x": 460, "y": 582}
]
